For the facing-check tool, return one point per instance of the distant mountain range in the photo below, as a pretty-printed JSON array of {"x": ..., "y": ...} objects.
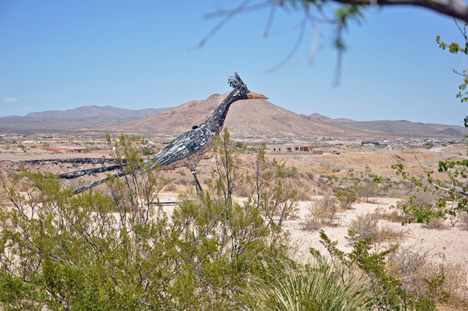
[
  {"x": 86, "y": 116},
  {"x": 397, "y": 128},
  {"x": 249, "y": 118}
]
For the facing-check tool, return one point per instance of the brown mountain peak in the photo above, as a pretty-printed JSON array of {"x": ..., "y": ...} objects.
[{"x": 246, "y": 118}]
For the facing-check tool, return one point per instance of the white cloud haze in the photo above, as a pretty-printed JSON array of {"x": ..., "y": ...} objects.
[{"x": 10, "y": 100}]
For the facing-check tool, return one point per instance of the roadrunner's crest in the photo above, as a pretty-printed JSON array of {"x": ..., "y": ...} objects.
[{"x": 237, "y": 83}]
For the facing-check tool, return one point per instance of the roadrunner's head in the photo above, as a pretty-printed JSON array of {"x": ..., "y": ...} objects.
[{"x": 242, "y": 90}]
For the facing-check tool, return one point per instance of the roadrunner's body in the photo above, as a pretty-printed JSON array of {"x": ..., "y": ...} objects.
[{"x": 188, "y": 148}]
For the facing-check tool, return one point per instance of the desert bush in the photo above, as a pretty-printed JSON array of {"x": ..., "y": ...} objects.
[
  {"x": 322, "y": 212},
  {"x": 464, "y": 220},
  {"x": 310, "y": 223},
  {"x": 435, "y": 223},
  {"x": 388, "y": 233},
  {"x": 171, "y": 187},
  {"x": 388, "y": 292},
  {"x": 310, "y": 175},
  {"x": 421, "y": 207},
  {"x": 408, "y": 266},
  {"x": 394, "y": 215},
  {"x": 303, "y": 193},
  {"x": 322, "y": 179},
  {"x": 365, "y": 189},
  {"x": 365, "y": 226},
  {"x": 274, "y": 196},
  {"x": 328, "y": 202},
  {"x": 455, "y": 283},
  {"x": 289, "y": 172},
  {"x": 346, "y": 197},
  {"x": 244, "y": 191},
  {"x": 442, "y": 282}
]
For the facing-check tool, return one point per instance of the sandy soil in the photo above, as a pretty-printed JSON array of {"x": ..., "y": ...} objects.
[{"x": 449, "y": 244}]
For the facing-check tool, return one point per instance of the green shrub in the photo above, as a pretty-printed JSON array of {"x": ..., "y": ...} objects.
[
  {"x": 388, "y": 293},
  {"x": 346, "y": 197},
  {"x": 148, "y": 151}
]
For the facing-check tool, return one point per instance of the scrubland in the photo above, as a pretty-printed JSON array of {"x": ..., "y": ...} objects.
[{"x": 330, "y": 217}]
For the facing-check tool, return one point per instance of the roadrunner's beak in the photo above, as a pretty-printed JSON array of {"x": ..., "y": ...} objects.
[{"x": 252, "y": 95}]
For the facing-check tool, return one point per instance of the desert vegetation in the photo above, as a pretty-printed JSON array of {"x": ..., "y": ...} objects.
[{"x": 231, "y": 248}]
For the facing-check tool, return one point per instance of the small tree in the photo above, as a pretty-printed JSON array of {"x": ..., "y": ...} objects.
[{"x": 275, "y": 197}]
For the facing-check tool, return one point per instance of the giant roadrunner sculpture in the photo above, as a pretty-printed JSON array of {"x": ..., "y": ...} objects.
[{"x": 188, "y": 148}]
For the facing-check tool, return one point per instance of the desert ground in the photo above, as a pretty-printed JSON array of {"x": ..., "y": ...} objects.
[{"x": 441, "y": 245}]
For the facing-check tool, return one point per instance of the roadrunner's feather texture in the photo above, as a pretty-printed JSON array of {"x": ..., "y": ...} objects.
[{"x": 188, "y": 148}]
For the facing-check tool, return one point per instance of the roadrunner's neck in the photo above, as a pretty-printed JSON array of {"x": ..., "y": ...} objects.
[{"x": 216, "y": 121}]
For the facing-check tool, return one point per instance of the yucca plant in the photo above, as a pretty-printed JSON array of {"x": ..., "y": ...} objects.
[{"x": 317, "y": 287}]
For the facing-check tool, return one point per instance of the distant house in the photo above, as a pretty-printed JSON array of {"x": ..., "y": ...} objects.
[{"x": 291, "y": 148}]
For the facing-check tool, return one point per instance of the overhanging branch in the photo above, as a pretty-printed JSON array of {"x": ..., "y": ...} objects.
[{"x": 453, "y": 8}]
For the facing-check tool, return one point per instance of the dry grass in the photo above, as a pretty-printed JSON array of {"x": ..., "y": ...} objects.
[
  {"x": 392, "y": 216},
  {"x": 436, "y": 223},
  {"x": 303, "y": 193},
  {"x": 367, "y": 226},
  {"x": 464, "y": 220},
  {"x": 244, "y": 190},
  {"x": 415, "y": 270},
  {"x": 322, "y": 212},
  {"x": 3, "y": 197}
]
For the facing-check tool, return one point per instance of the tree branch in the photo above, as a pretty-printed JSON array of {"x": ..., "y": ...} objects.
[{"x": 454, "y": 8}]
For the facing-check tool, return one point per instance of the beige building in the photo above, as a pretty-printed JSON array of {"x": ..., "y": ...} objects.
[{"x": 292, "y": 148}]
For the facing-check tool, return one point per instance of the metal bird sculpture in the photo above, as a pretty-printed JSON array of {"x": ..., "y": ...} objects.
[{"x": 188, "y": 148}]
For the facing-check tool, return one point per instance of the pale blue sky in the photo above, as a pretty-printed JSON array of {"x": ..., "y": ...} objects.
[{"x": 58, "y": 55}]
